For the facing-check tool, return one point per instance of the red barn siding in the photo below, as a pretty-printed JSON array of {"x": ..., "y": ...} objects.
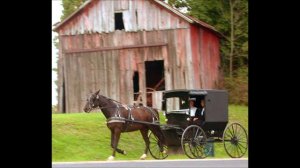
[
  {"x": 112, "y": 70},
  {"x": 107, "y": 60},
  {"x": 206, "y": 58},
  {"x": 210, "y": 59},
  {"x": 195, "y": 40}
]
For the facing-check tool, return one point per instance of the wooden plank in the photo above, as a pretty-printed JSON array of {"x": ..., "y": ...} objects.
[
  {"x": 83, "y": 79},
  {"x": 98, "y": 70},
  {"x": 128, "y": 78},
  {"x": 117, "y": 74},
  {"x": 124, "y": 4},
  {"x": 109, "y": 74},
  {"x": 117, "y": 5},
  {"x": 142, "y": 81},
  {"x": 66, "y": 75},
  {"x": 122, "y": 70},
  {"x": 101, "y": 65},
  {"x": 67, "y": 83},
  {"x": 60, "y": 76},
  {"x": 93, "y": 70},
  {"x": 71, "y": 87},
  {"x": 114, "y": 48},
  {"x": 131, "y": 73},
  {"x": 105, "y": 76},
  {"x": 80, "y": 93},
  {"x": 172, "y": 56},
  {"x": 180, "y": 58},
  {"x": 189, "y": 66},
  {"x": 77, "y": 82}
]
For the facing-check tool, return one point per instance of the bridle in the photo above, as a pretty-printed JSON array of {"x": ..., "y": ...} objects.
[{"x": 118, "y": 104}]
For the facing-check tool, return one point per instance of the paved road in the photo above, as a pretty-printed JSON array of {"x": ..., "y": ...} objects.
[{"x": 203, "y": 163}]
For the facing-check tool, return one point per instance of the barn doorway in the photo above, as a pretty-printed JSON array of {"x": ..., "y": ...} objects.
[
  {"x": 136, "y": 87},
  {"x": 155, "y": 78}
]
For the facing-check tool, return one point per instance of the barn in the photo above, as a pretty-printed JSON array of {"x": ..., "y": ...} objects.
[{"x": 132, "y": 50}]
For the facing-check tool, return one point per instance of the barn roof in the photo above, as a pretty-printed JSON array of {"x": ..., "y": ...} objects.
[{"x": 166, "y": 6}]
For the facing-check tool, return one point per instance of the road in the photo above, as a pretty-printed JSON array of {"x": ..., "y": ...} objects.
[{"x": 203, "y": 163}]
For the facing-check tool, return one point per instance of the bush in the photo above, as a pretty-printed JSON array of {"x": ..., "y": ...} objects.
[
  {"x": 54, "y": 109},
  {"x": 237, "y": 87}
]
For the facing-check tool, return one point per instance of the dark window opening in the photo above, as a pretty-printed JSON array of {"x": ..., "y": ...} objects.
[
  {"x": 137, "y": 19},
  {"x": 155, "y": 79},
  {"x": 119, "y": 25},
  {"x": 136, "y": 81},
  {"x": 136, "y": 87}
]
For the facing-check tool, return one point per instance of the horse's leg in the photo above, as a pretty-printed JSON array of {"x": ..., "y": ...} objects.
[
  {"x": 112, "y": 137},
  {"x": 144, "y": 133},
  {"x": 157, "y": 132},
  {"x": 117, "y": 149},
  {"x": 116, "y": 137}
]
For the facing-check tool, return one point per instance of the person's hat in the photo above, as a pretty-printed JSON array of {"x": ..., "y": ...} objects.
[{"x": 192, "y": 99}]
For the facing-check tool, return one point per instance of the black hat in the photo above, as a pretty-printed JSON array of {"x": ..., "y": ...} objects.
[{"x": 192, "y": 99}]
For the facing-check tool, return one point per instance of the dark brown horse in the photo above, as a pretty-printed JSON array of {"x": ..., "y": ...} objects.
[{"x": 123, "y": 118}]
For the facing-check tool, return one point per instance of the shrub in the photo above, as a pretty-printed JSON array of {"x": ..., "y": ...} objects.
[
  {"x": 54, "y": 109},
  {"x": 237, "y": 87}
]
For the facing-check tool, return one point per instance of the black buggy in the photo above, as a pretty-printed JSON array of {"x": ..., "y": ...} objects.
[{"x": 193, "y": 139}]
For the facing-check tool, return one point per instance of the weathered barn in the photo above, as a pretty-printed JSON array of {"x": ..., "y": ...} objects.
[{"x": 126, "y": 47}]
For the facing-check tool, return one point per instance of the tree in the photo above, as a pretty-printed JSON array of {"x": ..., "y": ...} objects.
[
  {"x": 55, "y": 41},
  {"x": 69, "y": 6},
  {"x": 230, "y": 17}
]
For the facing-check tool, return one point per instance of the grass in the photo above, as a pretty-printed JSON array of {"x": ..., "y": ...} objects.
[{"x": 85, "y": 137}]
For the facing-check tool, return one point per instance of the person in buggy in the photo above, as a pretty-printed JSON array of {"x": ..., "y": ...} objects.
[{"x": 196, "y": 115}]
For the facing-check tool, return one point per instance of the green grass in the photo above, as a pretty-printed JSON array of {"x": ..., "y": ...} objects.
[{"x": 82, "y": 137}]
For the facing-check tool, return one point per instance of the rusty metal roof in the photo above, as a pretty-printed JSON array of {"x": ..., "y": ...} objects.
[{"x": 186, "y": 17}]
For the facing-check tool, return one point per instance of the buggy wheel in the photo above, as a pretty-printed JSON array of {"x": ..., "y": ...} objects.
[
  {"x": 235, "y": 140},
  {"x": 193, "y": 142},
  {"x": 154, "y": 148}
]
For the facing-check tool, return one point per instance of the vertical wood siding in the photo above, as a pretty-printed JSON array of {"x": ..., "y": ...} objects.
[
  {"x": 138, "y": 15},
  {"x": 191, "y": 60}
]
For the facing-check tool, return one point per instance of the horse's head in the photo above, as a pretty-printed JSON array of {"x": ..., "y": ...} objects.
[{"x": 92, "y": 102}]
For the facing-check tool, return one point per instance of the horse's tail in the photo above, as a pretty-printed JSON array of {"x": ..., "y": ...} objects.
[
  {"x": 156, "y": 129},
  {"x": 156, "y": 112}
]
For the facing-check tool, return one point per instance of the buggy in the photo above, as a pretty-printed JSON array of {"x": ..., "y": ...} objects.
[{"x": 192, "y": 138}]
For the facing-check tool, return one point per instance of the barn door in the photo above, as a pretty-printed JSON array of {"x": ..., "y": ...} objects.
[{"x": 155, "y": 79}]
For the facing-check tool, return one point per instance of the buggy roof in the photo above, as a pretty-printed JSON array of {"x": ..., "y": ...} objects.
[{"x": 187, "y": 92}]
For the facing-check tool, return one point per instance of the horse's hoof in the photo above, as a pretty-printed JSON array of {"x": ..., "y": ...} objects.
[
  {"x": 143, "y": 157},
  {"x": 111, "y": 158},
  {"x": 124, "y": 153}
]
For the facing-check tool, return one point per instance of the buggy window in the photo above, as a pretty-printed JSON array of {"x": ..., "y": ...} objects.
[
  {"x": 176, "y": 104},
  {"x": 172, "y": 104}
]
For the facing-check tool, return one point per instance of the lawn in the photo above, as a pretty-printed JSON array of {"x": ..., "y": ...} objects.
[{"x": 85, "y": 137}]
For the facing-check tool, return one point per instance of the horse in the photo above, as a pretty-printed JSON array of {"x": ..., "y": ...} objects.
[{"x": 122, "y": 118}]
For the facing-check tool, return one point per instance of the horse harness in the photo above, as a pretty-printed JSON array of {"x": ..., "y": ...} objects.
[{"x": 130, "y": 119}]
